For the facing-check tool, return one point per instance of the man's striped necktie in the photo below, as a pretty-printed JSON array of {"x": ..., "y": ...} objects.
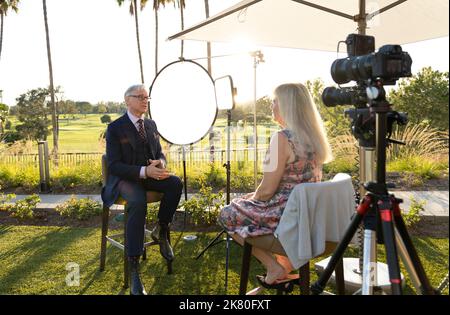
[{"x": 141, "y": 130}]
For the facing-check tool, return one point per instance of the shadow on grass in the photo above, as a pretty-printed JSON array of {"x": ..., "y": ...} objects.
[
  {"x": 427, "y": 250},
  {"x": 113, "y": 261},
  {"x": 30, "y": 255},
  {"x": 205, "y": 275},
  {"x": 4, "y": 229}
]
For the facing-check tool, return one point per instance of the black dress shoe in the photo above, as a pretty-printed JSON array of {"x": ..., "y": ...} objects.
[
  {"x": 286, "y": 285},
  {"x": 160, "y": 235},
  {"x": 136, "y": 287}
]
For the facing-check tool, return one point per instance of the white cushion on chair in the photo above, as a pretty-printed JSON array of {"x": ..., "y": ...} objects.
[{"x": 315, "y": 213}]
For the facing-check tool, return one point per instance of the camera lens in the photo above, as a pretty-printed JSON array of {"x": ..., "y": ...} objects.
[
  {"x": 332, "y": 97},
  {"x": 352, "y": 68}
]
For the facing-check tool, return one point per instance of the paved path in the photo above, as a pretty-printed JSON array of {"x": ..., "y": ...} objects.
[{"x": 436, "y": 201}]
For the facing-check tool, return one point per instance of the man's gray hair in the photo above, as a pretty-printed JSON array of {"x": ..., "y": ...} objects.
[{"x": 133, "y": 88}]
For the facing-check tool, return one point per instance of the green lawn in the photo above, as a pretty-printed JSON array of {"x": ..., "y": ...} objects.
[
  {"x": 77, "y": 135},
  {"x": 33, "y": 261},
  {"x": 82, "y": 134}
]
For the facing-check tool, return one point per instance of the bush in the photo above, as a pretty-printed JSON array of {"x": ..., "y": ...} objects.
[
  {"x": 85, "y": 174},
  {"x": 152, "y": 212},
  {"x": 23, "y": 209},
  {"x": 81, "y": 209},
  {"x": 420, "y": 166},
  {"x": 340, "y": 165},
  {"x": 4, "y": 199},
  {"x": 242, "y": 176},
  {"x": 413, "y": 216},
  {"x": 421, "y": 140},
  {"x": 11, "y": 136},
  {"x": 16, "y": 175},
  {"x": 105, "y": 119},
  {"x": 205, "y": 207},
  {"x": 213, "y": 175}
]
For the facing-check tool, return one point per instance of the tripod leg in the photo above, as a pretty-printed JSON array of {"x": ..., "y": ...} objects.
[
  {"x": 227, "y": 258},
  {"x": 407, "y": 262},
  {"x": 425, "y": 286},
  {"x": 369, "y": 277},
  {"x": 320, "y": 284},
  {"x": 387, "y": 225},
  {"x": 212, "y": 243}
]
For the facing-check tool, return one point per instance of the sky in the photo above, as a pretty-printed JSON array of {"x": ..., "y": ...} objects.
[{"x": 94, "y": 51}]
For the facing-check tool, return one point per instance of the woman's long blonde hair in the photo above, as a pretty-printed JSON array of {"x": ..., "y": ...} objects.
[{"x": 300, "y": 114}]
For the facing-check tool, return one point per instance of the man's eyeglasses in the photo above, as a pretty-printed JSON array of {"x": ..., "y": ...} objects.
[{"x": 140, "y": 97}]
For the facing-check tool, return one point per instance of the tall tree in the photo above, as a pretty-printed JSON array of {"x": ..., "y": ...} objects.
[
  {"x": 156, "y": 6},
  {"x": 134, "y": 11},
  {"x": 54, "y": 110},
  {"x": 424, "y": 97},
  {"x": 32, "y": 113},
  {"x": 3, "y": 114},
  {"x": 5, "y": 6}
]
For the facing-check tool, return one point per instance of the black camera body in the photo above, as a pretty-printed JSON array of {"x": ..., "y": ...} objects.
[
  {"x": 385, "y": 66},
  {"x": 391, "y": 63},
  {"x": 388, "y": 64},
  {"x": 371, "y": 71}
]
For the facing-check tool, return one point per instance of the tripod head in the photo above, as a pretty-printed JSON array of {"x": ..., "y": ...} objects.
[{"x": 363, "y": 117}]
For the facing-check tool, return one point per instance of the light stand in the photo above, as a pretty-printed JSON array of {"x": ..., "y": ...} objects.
[
  {"x": 258, "y": 58},
  {"x": 225, "y": 102},
  {"x": 185, "y": 184},
  {"x": 218, "y": 239}
]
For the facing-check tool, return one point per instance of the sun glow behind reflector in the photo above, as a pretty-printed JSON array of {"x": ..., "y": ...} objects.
[{"x": 183, "y": 102}]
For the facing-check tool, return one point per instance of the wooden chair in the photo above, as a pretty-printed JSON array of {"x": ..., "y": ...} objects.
[
  {"x": 152, "y": 196},
  {"x": 272, "y": 244},
  {"x": 332, "y": 202}
]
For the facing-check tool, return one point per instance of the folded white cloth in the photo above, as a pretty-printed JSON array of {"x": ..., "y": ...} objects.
[{"x": 315, "y": 213}]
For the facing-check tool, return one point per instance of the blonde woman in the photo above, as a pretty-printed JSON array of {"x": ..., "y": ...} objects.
[{"x": 296, "y": 154}]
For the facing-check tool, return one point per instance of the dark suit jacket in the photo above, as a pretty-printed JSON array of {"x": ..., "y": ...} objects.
[{"x": 121, "y": 142}]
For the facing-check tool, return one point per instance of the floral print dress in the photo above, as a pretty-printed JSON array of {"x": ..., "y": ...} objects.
[{"x": 249, "y": 217}]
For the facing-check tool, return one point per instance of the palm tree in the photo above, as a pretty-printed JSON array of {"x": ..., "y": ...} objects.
[
  {"x": 156, "y": 5},
  {"x": 52, "y": 91},
  {"x": 134, "y": 11},
  {"x": 5, "y": 5}
]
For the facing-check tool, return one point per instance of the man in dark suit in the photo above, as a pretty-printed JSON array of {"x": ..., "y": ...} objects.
[{"x": 136, "y": 165}]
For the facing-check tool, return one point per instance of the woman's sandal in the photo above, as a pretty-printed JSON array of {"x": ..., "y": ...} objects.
[{"x": 286, "y": 285}]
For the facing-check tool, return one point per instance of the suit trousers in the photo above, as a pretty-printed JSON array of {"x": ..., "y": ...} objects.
[{"x": 135, "y": 195}]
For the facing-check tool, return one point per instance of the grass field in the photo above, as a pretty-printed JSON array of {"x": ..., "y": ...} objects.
[
  {"x": 34, "y": 261},
  {"x": 82, "y": 134}
]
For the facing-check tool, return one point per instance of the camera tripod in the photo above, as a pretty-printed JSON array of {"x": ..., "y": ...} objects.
[{"x": 380, "y": 211}]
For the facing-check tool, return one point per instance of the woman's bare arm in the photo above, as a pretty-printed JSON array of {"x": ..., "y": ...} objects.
[{"x": 274, "y": 166}]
